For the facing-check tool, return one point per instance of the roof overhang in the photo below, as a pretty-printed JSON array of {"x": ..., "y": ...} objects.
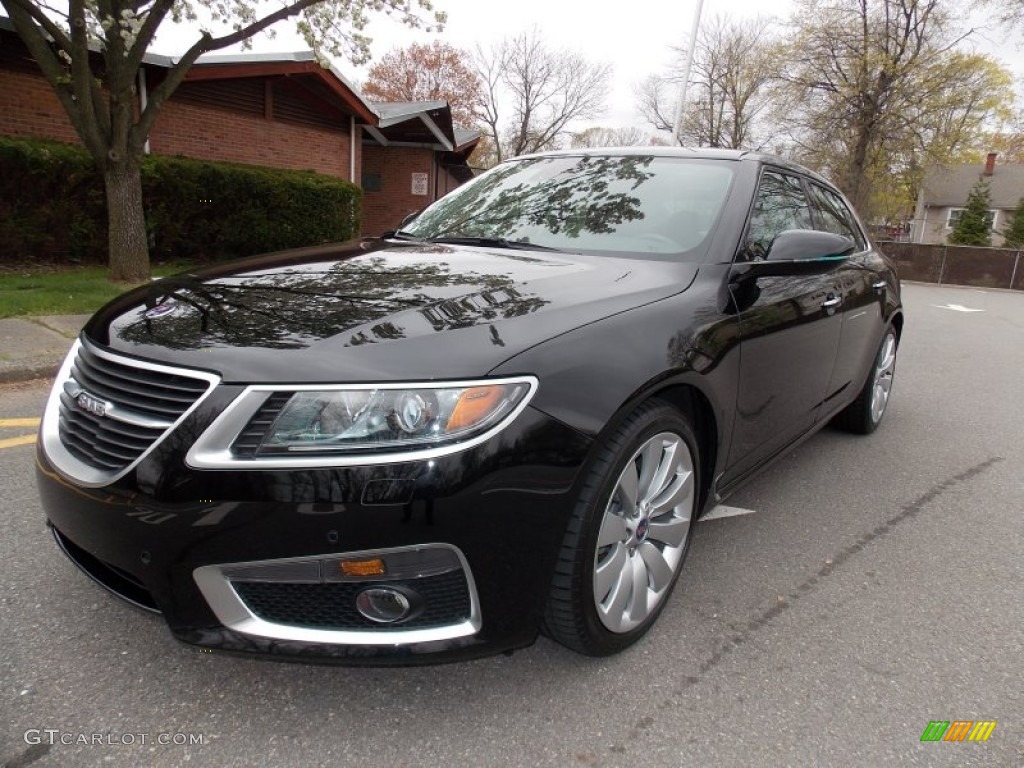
[
  {"x": 288, "y": 65},
  {"x": 414, "y": 122}
]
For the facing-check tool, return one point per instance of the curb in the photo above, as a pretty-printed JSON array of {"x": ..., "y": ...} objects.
[{"x": 40, "y": 368}]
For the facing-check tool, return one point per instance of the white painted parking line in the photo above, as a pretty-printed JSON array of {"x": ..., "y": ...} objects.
[
  {"x": 956, "y": 308},
  {"x": 721, "y": 511}
]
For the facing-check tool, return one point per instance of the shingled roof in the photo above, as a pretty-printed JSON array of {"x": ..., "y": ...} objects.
[{"x": 948, "y": 186}]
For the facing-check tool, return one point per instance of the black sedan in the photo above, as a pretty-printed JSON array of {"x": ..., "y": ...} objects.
[{"x": 499, "y": 420}]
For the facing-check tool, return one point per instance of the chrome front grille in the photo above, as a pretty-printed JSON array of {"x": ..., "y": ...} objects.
[{"x": 107, "y": 411}]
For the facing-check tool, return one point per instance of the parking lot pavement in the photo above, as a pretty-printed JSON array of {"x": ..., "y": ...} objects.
[{"x": 875, "y": 587}]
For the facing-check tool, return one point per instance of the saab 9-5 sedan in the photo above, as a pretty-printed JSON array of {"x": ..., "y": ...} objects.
[{"x": 502, "y": 419}]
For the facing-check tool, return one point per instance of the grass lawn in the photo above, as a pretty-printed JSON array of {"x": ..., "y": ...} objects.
[{"x": 71, "y": 291}]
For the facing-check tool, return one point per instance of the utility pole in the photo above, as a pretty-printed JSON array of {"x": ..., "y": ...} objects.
[{"x": 677, "y": 123}]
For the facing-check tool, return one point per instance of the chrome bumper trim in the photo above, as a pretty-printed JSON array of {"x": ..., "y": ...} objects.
[{"x": 214, "y": 581}]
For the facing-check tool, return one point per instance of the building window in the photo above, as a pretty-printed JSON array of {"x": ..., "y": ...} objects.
[{"x": 954, "y": 215}]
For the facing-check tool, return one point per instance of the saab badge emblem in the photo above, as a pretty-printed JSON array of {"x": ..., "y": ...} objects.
[{"x": 92, "y": 404}]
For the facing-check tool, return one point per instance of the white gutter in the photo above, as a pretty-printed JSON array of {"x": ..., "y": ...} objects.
[
  {"x": 352, "y": 148},
  {"x": 143, "y": 100}
]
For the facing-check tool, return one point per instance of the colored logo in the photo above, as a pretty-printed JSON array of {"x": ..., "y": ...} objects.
[
  {"x": 165, "y": 307},
  {"x": 958, "y": 730}
]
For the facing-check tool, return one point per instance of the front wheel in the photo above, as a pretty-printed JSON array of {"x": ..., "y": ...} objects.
[
  {"x": 865, "y": 413},
  {"x": 628, "y": 535}
]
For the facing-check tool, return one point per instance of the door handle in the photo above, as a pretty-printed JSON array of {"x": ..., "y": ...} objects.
[
  {"x": 879, "y": 286},
  {"x": 832, "y": 302}
]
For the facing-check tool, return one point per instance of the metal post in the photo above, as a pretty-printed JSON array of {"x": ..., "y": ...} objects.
[
  {"x": 677, "y": 123},
  {"x": 942, "y": 267},
  {"x": 1013, "y": 276}
]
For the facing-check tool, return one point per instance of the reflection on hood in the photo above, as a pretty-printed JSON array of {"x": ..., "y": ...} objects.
[{"x": 295, "y": 307}]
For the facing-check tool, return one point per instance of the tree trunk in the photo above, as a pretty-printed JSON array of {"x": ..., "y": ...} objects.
[{"x": 128, "y": 245}]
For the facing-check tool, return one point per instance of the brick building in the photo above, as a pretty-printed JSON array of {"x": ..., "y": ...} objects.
[{"x": 277, "y": 110}]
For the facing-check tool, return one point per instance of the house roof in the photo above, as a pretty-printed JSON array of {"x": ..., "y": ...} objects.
[
  {"x": 464, "y": 138},
  {"x": 422, "y": 123},
  {"x": 297, "y": 63},
  {"x": 414, "y": 122},
  {"x": 948, "y": 186}
]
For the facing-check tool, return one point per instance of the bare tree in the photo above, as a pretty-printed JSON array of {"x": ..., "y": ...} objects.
[
  {"x": 736, "y": 66},
  {"x": 881, "y": 90},
  {"x": 613, "y": 137},
  {"x": 544, "y": 90}
]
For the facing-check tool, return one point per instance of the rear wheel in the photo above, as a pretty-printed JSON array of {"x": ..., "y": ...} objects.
[
  {"x": 628, "y": 535},
  {"x": 865, "y": 413}
]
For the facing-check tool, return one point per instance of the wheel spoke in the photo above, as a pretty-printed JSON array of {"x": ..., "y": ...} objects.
[
  {"x": 670, "y": 460},
  {"x": 638, "y": 605},
  {"x": 674, "y": 495},
  {"x": 650, "y": 460},
  {"x": 622, "y": 588},
  {"x": 627, "y": 489},
  {"x": 889, "y": 355},
  {"x": 659, "y": 571},
  {"x": 671, "y": 532},
  {"x": 606, "y": 573},
  {"x": 613, "y": 530}
]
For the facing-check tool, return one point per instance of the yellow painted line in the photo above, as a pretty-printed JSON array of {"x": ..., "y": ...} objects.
[
  {"x": 21, "y": 440},
  {"x": 19, "y": 422}
]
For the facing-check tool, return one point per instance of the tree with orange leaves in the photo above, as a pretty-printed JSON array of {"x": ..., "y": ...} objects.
[{"x": 432, "y": 72}]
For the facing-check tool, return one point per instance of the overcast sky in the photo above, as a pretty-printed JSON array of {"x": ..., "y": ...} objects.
[{"x": 635, "y": 36}]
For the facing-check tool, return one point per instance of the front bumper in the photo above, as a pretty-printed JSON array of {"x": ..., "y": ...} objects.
[{"x": 501, "y": 506}]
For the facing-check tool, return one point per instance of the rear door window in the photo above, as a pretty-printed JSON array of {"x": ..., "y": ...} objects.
[{"x": 834, "y": 216}]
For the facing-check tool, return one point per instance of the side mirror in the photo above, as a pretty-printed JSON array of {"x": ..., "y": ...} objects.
[
  {"x": 405, "y": 220},
  {"x": 411, "y": 216},
  {"x": 799, "y": 252}
]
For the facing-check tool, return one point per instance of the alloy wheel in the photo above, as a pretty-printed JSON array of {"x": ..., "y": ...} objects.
[
  {"x": 643, "y": 532},
  {"x": 885, "y": 369}
]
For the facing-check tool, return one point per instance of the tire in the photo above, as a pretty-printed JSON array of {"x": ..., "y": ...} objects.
[
  {"x": 864, "y": 414},
  {"x": 628, "y": 535}
]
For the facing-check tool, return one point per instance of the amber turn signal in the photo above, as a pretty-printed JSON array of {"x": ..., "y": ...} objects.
[
  {"x": 374, "y": 567},
  {"x": 474, "y": 406}
]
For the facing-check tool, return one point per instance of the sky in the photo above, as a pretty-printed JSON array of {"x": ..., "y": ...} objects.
[{"x": 635, "y": 36}]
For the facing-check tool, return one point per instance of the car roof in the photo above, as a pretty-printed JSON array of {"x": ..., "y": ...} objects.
[{"x": 696, "y": 153}]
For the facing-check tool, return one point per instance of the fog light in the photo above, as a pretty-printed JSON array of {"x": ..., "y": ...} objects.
[{"x": 383, "y": 605}]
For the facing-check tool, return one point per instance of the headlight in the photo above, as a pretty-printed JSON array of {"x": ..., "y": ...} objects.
[
  {"x": 318, "y": 426},
  {"x": 378, "y": 419}
]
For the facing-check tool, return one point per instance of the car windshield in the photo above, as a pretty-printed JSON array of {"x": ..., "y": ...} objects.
[{"x": 616, "y": 205}]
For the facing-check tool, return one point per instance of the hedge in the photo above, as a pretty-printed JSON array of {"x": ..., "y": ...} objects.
[{"x": 53, "y": 208}]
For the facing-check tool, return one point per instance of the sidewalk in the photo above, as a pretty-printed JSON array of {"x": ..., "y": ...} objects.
[{"x": 34, "y": 347}]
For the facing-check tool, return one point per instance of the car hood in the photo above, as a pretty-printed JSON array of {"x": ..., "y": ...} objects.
[{"x": 370, "y": 312}]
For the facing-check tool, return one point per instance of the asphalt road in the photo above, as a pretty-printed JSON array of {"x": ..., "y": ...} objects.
[{"x": 877, "y": 587}]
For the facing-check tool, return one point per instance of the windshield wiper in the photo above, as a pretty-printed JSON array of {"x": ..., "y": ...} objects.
[
  {"x": 491, "y": 242},
  {"x": 401, "y": 234}
]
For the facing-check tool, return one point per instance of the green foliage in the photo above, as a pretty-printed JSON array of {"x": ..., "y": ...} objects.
[
  {"x": 61, "y": 291},
  {"x": 51, "y": 203},
  {"x": 53, "y": 209},
  {"x": 973, "y": 227},
  {"x": 1013, "y": 235},
  {"x": 204, "y": 210}
]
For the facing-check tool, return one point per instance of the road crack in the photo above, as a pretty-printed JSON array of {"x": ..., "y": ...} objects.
[{"x": 785, "y": 603}]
